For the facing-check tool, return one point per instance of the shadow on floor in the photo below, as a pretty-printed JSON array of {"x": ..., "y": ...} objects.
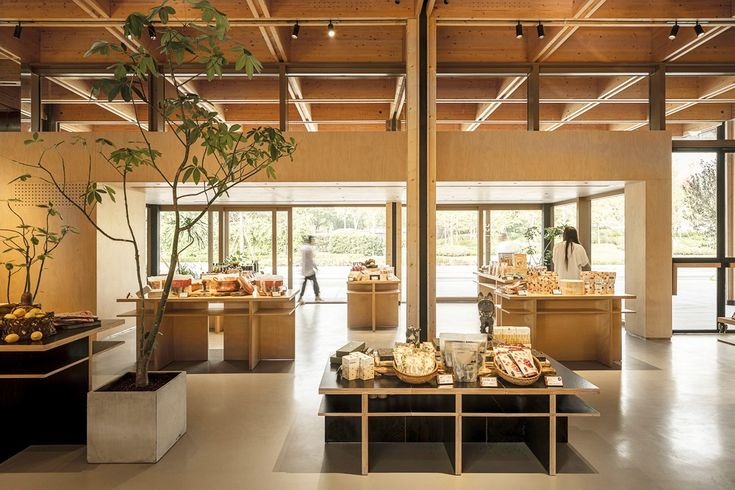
[
  {"x": 217, "y": 365},
  {"x": 629, "y": 364}
]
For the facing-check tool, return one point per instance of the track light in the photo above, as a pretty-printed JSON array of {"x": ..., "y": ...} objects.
[
  {"x": 674, "y": 31},
  {"x": 330, "y": 30},
  {"x": 540, "y": 30},
  {"x": 17, "y": 31},
  {"x": 519, "y": 30},
  {"x": 698, "y": 29},
  {"x": 152, "y": 32},
  {"x": 295, "y": 31}
]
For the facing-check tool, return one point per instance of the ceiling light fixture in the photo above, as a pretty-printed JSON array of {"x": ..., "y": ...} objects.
[
  {"x": 540, "y": 30},
  {"x": 152, "y": 32},
  {"x": 295, "y": 31},
  {"x": 674, "y": 31},
  {"x": 519, "y": 30},
  {"x": 698, "y": 29},
  {"x": 330, "y": 30},
  {"x": 17, "y": 31}
]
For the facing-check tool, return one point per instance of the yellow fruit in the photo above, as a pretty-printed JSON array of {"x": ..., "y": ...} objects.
[
  {"x": 39, "y": 315},
  {"x": 9, "y": 316},
  {"x": 35, "y": 336},
  {"x": 30, "y": 315},
  {"x": 20, "y": 312},
  {"x": 35, "y": 311},
  {"x": 12, "y": 338}
]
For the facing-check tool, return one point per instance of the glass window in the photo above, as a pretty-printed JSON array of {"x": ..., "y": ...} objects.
[
  {"x": 694, "y": 204},
  {"x": 565, "y": 214},
  {"x": 194, "y": 247},
  {"x": 515, "y": 231},
  {"x": 343, "y": 236},
  {"x": 250, "y": 238},
  {"x": 456, "y": 253},
  {"x": 695, "y": 302},
  {"x": 282, "y": 268},
  {"x": 608, "y": 237}
]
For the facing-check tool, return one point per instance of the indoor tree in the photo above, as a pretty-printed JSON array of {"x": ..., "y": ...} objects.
[{"x": 213, "y": 156}]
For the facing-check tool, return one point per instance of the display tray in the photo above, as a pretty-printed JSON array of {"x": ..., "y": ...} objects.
[
  {"x": 95, "y": 323},
  {"x": 333, "y": 383}
]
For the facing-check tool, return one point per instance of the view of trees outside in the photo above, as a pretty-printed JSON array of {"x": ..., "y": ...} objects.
[
  {"x": 456, "y": 253},
  {"x": 194, "y": 259},
  {"x": 565, "y": 214},
  {"x": 250, "y": 238},
  {"x": 608, "y": 237},
  {"x": 517, "y": 231},
  {"x": 694, "y": 233},
  {"x": 343, "y": 236}
]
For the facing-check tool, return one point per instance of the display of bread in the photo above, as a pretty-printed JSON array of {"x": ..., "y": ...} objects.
[{"x": 415, "y": 361}]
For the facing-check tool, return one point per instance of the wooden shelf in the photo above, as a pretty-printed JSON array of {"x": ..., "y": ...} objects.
[
  {"x": 340, "y": 406},
  {"x": 574, "y": 406}
]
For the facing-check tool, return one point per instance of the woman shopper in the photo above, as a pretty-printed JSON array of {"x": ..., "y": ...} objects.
[{"x": 569, "y": 256}]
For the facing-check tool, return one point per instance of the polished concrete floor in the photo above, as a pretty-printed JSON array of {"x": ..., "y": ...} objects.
[{"x": 667, "y": 421}]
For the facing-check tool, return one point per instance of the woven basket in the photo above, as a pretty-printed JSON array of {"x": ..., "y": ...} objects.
[
  {"x": 415, "y": 380},
  {"x": 519, "y": 381},
  {"x": 24, "y": 327}
]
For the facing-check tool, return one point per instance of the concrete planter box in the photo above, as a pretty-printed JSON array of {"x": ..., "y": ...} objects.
[{"x": 135, "y": 426}]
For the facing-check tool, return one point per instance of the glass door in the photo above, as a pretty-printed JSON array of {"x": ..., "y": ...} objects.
[
  {"x": 457, "y": 248},
  {"x": 250, "y": 238}
]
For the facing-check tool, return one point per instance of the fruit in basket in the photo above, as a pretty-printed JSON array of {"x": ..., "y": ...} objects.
[
  {"x": 9, "y": 316},
  {"x": 19, "y": 312},
  {"x": 12, "y": 338},
  {"x": 36, "y": 336},
  {"x": 36, "y": 311}
]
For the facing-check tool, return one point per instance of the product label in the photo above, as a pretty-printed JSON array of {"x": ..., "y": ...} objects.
[
  {"x": 489, "y": 382},
  {"x": 553, "y": 381},
  {"x": 522, "y": 292},
  {"x": 557, "y": 292},
  {"x": 445, "y": 379}
]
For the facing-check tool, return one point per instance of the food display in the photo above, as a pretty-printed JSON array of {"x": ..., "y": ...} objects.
[
  {"x": 512, "y": 335},
  {"x": 541, "y": 281},
  {"x": 572, "y": 287},
  {"x": 516, "y": 364},
  {"x": 415, "y": 365},
  {"x": 361, "y": 273},
  {"x": 26, "y": 323},
  {"x": 596, "y": 282},
  {"x": 358, "y": 365}
]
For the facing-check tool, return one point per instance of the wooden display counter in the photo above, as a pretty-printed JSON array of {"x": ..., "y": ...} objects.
[
  {"x": 373, "y": 304},
  {"x": 44, "y": 387},
  {"x": 255, "y": 327},
  {"x": 469, "y": 420},
  {"x": 568, "y": 327},
  {"x": 488, "y": 283}
]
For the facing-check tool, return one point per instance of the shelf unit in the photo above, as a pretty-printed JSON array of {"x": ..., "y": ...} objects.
[
  {"x": 461, "y": 416},
  {"x": 373, "y": 304}
]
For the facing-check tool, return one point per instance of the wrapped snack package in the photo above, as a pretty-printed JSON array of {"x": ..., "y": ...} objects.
[
  {"x": 350, "y": 367},
  {"x": 506, "y": 362},
  {"x": 524, "y": 360}
]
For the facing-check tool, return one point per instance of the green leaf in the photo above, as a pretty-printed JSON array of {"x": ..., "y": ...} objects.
[{"x": 21, "y": 178}]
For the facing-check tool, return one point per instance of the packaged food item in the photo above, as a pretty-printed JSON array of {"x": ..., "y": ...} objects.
[
  {"x": 507, "y": 364},
  {"x": 524, "y": 360},
  {"x": 367, "y": 367},
  {"x": 414, "y": 361},
  {"x": 350, "y": 367}
]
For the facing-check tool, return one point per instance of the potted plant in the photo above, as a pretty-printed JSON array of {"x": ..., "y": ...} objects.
[{"x": 141, "y": 415}]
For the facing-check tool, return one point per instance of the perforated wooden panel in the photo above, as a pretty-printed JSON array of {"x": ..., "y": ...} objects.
[{"x": 34, "y": 193}]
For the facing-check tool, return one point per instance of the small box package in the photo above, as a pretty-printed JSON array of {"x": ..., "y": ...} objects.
[
  {"x": 350, "y": 367},
  {"x": 367, "y": 368}
]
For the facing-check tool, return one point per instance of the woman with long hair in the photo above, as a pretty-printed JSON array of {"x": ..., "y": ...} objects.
[{"x": 569, "y": 255}]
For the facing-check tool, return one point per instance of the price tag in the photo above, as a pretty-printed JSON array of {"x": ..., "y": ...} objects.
[
  {"x": 489, "y": 382},
  {"x": 445, "y": 379},
  {"x": 557, "y": 292},
  {"x": 276, "y": 294},
  {"x": 553, "y": 381},
  {"x": 522, "y": 292}
]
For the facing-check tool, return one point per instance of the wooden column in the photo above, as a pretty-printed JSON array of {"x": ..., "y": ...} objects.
[
  {"x": 389, "y": 234},
  {"x": 282, "y": 97},
  {"x": 412, "y": 175},
  {"x": 657, "y": 99},
  {"x": 156, "y": 95},
  {"x": 730, "y": 206},
  {"x": 533, "y": 99},
  {"x": 430, "y": 204},
  {"x": 584, "y": 224}
]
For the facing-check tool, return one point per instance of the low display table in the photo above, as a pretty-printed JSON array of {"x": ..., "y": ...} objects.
[
  {"x": 373, "y": 304},
  {"x": 461, "y": 416},
  {"x": 568, "y": 327},
  {"x": 255, "y": 327},
  {"x": 44, "y": 386}
]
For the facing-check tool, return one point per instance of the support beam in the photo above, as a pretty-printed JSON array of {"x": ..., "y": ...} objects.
[
  {"x": 533, "y": 105},
  {"x": 156, "y": 95},
  {"x": 412, "y": 173},
  {"x": 282, "y": 98},
  {"x": 657, "y": 99},
  {"x": 584, "y": 224}
]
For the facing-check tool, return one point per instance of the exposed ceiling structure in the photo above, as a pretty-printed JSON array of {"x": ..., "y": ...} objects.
[{"x": 629, "y": 32}]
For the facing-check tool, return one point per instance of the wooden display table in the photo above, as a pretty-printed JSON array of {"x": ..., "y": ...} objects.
[
  {"x": 255, "y": 327},
  {"x": 568, "y": 327},
  {"x": 373, "y": 304},
  {"x": 488, "y": 283},
  {"x": 44, "y": 388},
  {"x": 466, "y": 418}
]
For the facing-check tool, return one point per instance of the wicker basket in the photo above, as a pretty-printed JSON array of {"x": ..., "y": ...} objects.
[
  {"x": 24, "y": 327},
  {"x": 519, "y": 381},
  {"x": 415, "y": 380}
]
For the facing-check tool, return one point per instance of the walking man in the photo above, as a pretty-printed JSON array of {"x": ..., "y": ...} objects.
[{"x": 308, "y": 268}]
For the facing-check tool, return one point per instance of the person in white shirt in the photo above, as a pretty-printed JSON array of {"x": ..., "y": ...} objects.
[
  {"x": 569, "y": 256},
  {"x": 309, "y": 268},
  {"x": 506, "y": 246}
]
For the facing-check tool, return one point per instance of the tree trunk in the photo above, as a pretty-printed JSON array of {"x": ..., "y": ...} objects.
[
  {"x": 141, "y": 371},
  {"x": 26, "y": 299}
]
